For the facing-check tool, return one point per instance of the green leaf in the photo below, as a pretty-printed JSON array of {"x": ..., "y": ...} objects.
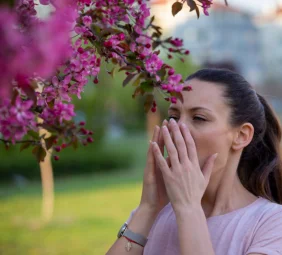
[
  {"x": 161, "y": 72},
  {"x": 152, "y": 20},
  {"x": 30, "y": 92},
  {"x": 127, "y": 68},
  {"x": 24, "y": 146},
  {"x": 75, "y": 143},
  {"x": 176, "y": 7},
  {"x": 50, "y": 141},
  {"x": 33, "y": 134},
  {"x": 128, "y": 79},
  {"x": 197, "y": 11},
  {"x": 39, "y": 153},
  {"x": 155, "y": 35},
  {"x": 51, "y": 103},
  {"x": 155, "y": 44},
  {"x": 147, "y": 86},
  {"x": 148, "y": 102},
  {"x": 112, "y": 72},
  {"x": 95, "y": 29},
  {"x": 191, "y": 4},
  {"x": 137, "y": 81},
  {"x": 137, "y": 92}
]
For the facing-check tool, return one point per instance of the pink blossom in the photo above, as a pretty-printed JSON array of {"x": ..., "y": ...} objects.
[
  {"x": 177, "y": 42},
  {"x": 173, "y": 100},
  {"x": 171, "y": 71},
  {"x": 17, "y": 119},
  {"x": 174, "y": 79},
  {"x": 206, "y": 4},
  {"x": 44, "y": 2},
  {"x": 21, "y": 110},
  {"x": 153, "y": 64},
  {"x": 178, "y": 88},
  {"x": 87, "y": 20},
  {"x": 129, "y": 2},
  {"x": 164, "y": 86},
  {"x": 58, "y": 113}
]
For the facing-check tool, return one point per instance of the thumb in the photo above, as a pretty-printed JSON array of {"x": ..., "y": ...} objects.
[{"x": 207, "y": 169}]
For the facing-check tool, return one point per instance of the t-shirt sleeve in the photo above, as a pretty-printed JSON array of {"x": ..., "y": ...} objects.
[{"x": 268, "y": 238}]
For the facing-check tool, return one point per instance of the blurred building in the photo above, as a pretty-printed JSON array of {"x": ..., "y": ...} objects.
[
  {"x": 227, "y": 35},
  {"x": 270, "y": 38},
  {"x": 251, "y": 44}
]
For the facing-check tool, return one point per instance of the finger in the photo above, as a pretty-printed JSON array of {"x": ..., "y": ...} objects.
[
  {"x": 150, "y": 157},
  {"x": 162, "y": 164},
  {"x": 168, "y": 161},
  {"x": 190, "y": 143},
  {"x": 171, "y": 150},
  {"x": 208, "y": 166},
  {"x": 161, "y": 140},
  {"x": 179, "y": 141},
  {"x": 156, "y": 134}
]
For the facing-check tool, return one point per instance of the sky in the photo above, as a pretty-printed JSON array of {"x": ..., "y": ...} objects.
[{"x": 256, "y": 6}]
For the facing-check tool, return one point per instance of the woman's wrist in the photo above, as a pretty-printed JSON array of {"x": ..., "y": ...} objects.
[
  {"x": 183, "y": 211},
  {"x": 142, "y": 220}
]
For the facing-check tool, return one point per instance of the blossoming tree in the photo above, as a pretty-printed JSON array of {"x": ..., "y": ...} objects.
[{"x": 43, "y": 64}]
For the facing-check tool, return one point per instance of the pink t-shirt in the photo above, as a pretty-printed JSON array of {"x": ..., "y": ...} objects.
[{"x": 256, "y": 228}]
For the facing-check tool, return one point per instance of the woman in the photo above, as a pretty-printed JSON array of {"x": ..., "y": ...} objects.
[{"x": 219, "y": 191}]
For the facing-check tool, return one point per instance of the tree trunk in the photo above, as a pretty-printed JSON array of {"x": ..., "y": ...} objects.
[
  {"x": 47, "y": 178},
  {"x": 47, "y": 186}
]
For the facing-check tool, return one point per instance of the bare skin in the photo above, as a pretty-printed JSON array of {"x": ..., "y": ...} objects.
[{"x": 224, "y": 192}]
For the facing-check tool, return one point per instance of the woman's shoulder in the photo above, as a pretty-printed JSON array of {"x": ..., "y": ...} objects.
[
  {"x": 269, "y": 210},
  {"x": 267, "y": 234}
]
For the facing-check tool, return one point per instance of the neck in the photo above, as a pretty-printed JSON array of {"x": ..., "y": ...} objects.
[{"x": 225, "y": 192}]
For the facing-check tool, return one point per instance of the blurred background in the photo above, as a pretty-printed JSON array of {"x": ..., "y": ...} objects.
[{"x": 97, "y": 186}]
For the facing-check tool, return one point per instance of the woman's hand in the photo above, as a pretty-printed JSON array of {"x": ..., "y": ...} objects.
[
  {"x": 184, "y": 180},
  {"x": 154, "y": 194}
]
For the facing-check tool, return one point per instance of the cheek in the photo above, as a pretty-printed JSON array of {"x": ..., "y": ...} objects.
[{"x": 211, "y": 141}]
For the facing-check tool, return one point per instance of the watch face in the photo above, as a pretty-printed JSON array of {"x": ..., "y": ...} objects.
[{"x": 122, "y": 229}]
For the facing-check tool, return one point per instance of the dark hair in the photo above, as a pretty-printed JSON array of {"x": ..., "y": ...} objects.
[{"x": 260, "y": 166}]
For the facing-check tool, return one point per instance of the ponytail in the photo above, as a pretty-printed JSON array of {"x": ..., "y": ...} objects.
[{"x": 260, "y": 168}]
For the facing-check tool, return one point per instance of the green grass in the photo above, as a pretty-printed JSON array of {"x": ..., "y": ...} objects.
[
  {"x": 86, "y": 219},
  {"x": 89, "y": 210}
]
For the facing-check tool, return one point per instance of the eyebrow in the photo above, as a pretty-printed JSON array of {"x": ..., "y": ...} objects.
[{"x": 191, "y": 109}]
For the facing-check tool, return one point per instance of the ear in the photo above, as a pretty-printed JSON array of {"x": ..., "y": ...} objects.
[{"x": 243, "y": 136}]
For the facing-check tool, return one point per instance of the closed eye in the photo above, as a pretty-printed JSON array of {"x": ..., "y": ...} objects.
[{"x": 197, "y": 118}]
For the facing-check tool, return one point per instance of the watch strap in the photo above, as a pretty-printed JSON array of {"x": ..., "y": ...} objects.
[{"x": 135, "y": 237}]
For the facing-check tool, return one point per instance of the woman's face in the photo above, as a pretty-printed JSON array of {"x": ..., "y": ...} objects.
[{"x": 206, "y": 114}]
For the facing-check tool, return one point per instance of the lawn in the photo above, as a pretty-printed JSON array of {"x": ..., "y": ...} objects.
[
  {"x": 89, "y": 210},
  {"x": 86, "y": 219}
]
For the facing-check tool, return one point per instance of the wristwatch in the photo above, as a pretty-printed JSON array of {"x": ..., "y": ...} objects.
[{"x": 124, "y": 231}]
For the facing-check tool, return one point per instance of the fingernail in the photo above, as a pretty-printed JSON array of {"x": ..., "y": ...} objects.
[
  {"x": 215, "y": 155},
  {"x": 172, "y": 121},
  {"x": 183, "y": 125}
]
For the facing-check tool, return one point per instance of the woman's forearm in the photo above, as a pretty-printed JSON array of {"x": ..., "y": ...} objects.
[
  {"x": 193, "y": 233},
  {"x": 141, "y": 223}
]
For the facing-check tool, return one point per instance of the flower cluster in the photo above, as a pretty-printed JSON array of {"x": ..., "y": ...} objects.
[
  {"x": 17, "y": 119},
  {"x": 44, "y": 63},
  {"x": 206, "y": 4}
]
